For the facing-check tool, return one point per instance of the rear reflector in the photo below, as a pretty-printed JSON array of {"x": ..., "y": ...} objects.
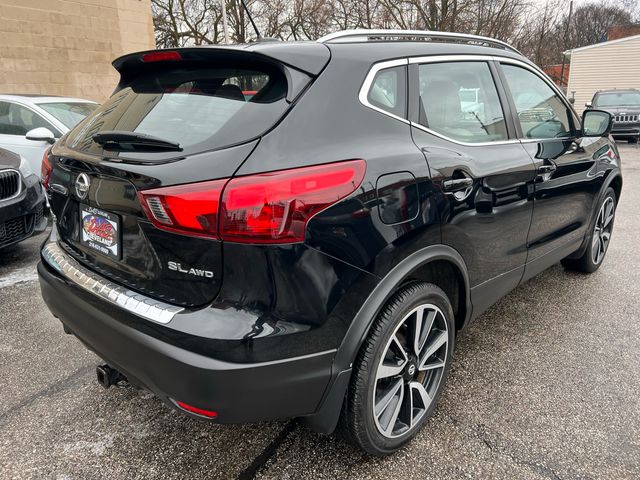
[
  {"x": 198, "y": 411},
  {"x": 161, "y": 56},
  {"x": 265, "y": 208}
]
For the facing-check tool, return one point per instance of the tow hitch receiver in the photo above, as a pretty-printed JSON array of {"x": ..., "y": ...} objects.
[{"x": 108, "y": 376}]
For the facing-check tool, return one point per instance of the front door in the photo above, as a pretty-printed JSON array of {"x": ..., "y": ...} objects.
[
  {"x": 15, "y": 121},
  {"x": 567, "y": 180}
]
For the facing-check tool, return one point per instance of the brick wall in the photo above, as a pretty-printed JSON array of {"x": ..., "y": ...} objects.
[
  {"x": 621, "y": 31},
  {"x": 65, "y": 47}
]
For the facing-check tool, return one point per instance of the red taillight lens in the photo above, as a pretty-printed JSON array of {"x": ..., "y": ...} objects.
[
  {"x": 190, "y": 209},
  {"x": 266, "y": 208},
  {"x": 46, "y": 169},
  {"x": 161, "y": 56},
  {"x": 275, "y": 207},
  {"x": 198, "y": 411}
]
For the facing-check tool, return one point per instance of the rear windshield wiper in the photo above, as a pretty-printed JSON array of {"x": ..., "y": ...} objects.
[{"x": 132, "y": 141}]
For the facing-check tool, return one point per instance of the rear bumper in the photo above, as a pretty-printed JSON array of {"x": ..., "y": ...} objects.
[{"x": 238, "y": 392}]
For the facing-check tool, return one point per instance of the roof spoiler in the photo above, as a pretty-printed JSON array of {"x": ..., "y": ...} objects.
[{"x": 308, "y": 57}]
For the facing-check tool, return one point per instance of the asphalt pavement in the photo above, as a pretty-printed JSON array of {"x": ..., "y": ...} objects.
[{"x": 545, "y": 385}]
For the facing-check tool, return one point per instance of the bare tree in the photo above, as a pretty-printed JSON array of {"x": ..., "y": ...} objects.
[
  {"x": 538, "y": 30},
  {"x": 186, "y": 22}
]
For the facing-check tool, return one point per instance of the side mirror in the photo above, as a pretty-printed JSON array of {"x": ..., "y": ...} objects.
[
  {"x": 596, "y": 123},
  {"x": 588, "y": 105},
  {"x": 41, "y": 134}
]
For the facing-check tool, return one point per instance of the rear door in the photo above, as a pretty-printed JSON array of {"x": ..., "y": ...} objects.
[
  {"x": 480, "y": 170},
  {"x": 204, "y": 127},
  {"x": 567, "y": 180}
]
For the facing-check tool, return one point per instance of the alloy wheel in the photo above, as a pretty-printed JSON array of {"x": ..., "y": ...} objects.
[
  {"x": 410, "y": 371},
  {"x": 602, "y": 230}
]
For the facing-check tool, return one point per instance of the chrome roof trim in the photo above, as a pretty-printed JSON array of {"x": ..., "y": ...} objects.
[
  {"x": 133, "y": 302},
  {"x": 364, "y": 35}
]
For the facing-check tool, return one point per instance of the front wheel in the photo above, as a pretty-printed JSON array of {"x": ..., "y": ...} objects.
[
  {"x": 599, "y": 239},
  {"x": 400, "y": 371}
]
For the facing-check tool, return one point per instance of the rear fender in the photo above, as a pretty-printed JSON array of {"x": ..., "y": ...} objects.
[{"x": 326, "y": 419}]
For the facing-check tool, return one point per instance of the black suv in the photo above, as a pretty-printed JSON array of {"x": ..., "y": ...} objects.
[
  {"x": 22, "y": 200},
  {"x": 301, "y": 229},
  {"x": 624, "y": 106}
]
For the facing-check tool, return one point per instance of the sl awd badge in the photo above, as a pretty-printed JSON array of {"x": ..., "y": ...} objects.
[{"x": 196, "y": 272}]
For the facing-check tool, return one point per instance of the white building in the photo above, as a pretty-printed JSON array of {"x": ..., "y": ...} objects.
[{"x": 603, "y": 66}]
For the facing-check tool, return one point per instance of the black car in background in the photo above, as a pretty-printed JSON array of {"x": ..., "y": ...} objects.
[
  {"x": 624, "y": 105},
  {"x": 312, "y": 251},
  {"x": 22, "y": 200}
]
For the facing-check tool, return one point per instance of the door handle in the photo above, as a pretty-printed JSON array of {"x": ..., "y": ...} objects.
[{"x": 457, "y": 184}]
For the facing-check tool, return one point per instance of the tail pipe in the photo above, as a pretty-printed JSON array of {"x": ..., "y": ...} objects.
[{"x": 108, "y": 376}]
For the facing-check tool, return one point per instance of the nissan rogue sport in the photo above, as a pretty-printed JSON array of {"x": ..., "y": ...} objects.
[{"x": 301, "y": 229}]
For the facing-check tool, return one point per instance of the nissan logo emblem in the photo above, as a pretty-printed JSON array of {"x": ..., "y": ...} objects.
[{"x": 82, "y": 185}]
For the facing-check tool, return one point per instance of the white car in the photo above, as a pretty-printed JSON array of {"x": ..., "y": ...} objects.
[{"x": 29, "y": 124}]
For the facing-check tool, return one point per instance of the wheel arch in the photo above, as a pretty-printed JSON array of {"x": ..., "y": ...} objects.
[
  {"x": 438, "y": 264},
  {"x": 614, "y": 181},
  {"x": 616, "y": 184}
]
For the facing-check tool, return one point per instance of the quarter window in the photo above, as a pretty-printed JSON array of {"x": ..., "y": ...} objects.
[
  {"x": 460, "y": 101},
  {"x": 541, "y": 112},
  {"x": 389, "y": 91}
]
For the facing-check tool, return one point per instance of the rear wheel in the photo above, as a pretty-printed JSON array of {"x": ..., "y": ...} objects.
[
  {"x": 400, "y": 370},
  {"x": 600, "y": 237},
  {"x": 633, "y": 139}
]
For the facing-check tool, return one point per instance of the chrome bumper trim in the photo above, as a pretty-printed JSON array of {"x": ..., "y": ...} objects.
[{"x": 140, "y": 305}]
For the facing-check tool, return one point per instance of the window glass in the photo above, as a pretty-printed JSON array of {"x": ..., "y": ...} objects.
[
  {"x": 460, "y": 100},
  {"x": 541, "y": 112},
  {"x": 70, "y": 114},
  {"x": 18, "y": 120},
  {"x": 198, "y": 108},
  {"x": 388, "y": 91},
  {"x": 618, "y": 99}
]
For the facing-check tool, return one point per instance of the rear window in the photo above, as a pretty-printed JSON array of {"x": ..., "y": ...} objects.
[{"x": 200, "y": 109}]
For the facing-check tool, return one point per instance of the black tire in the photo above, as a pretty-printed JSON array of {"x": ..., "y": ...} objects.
[
  {"x": 359, "y": 423},
  {"x": 589, "y": 262},
  {"x": 633, "y": 139}
]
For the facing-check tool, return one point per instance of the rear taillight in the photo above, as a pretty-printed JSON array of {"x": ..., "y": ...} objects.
[
  {"x": 265, "y": 208},
  {"x": 46, "y": 169},
  {"x": 275, "y": 207},
  {"x": 190, "y": 209}
]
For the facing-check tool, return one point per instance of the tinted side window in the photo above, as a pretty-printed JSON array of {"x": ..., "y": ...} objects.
[
  {"x": 18, "y": 120},
  {"x": 459, "y": 100},
  {"x": 389, "y": 91},
  {"x": 541, "y": 112}
]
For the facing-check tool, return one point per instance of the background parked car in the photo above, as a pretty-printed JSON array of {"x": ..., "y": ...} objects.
[
  {"x": 29, "y": 124},
  {"x": 624, "y": 105},
  {"x": 21, "y": 200}
]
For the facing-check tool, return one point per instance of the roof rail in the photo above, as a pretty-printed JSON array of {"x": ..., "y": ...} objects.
[{"x": 365, "y": 35}]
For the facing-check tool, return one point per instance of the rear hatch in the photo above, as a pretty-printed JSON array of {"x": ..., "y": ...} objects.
[{"x": 181, "y": 117}]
